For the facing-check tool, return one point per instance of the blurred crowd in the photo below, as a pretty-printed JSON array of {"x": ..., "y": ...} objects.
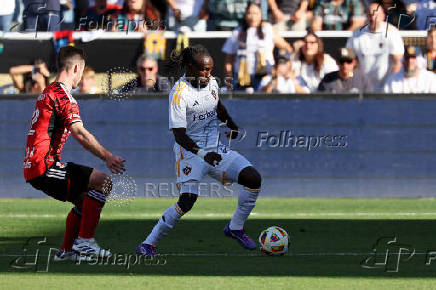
[
  {"x": 207, "y": 15},
  {"x": 257, "y": 58}
]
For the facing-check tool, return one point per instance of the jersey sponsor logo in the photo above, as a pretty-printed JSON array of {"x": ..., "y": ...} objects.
[
  {"x": 27, "y": 164},
  {"x": 206, "y": 115},
  {"x": 35, "y": 117},
  {"x": 187, "y": 169},
  {"x": 29, "y": 154}
]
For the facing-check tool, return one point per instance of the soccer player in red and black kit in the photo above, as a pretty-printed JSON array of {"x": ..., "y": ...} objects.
[{"x": 56, "y": 116}]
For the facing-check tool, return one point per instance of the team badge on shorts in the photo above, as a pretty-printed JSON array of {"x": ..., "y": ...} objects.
[
  {"x": 187, "y": 169},
  {"x": 60, "y": 164}
]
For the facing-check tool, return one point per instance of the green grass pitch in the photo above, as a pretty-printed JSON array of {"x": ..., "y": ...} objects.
[{"x": 330, "y": 238}]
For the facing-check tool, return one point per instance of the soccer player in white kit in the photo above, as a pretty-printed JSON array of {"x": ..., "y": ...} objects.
[{"x": 195, "y": 112}]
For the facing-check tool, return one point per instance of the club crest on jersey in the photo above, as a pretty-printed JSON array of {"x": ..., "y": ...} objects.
[
  {"x": 187, "y": 169},
  {"x": 213, "y": 93}
]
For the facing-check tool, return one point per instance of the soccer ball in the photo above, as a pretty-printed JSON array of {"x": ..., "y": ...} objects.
[{"x": 274, "y": 241}]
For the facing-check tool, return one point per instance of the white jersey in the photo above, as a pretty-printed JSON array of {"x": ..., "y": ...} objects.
[
  {"x": 374, "y": 50},
  {"x": 195, "y": 110},
  {"x": 424, "y": 82}
]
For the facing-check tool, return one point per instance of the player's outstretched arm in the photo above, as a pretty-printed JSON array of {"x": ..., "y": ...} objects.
[
  {"x": 224, "y": 116},
  {"x": 186, "y": 142},
  {"x": 88, "y": 141}
]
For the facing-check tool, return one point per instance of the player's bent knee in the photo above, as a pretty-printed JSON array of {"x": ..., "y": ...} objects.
[
  {"x": 100, "y": 181},
  {"x": 186, "y": 201},
  {"x": 250, "y": 177}
]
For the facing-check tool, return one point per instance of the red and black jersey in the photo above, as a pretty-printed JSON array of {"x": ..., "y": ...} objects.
[{"x": 55, "y": 111}]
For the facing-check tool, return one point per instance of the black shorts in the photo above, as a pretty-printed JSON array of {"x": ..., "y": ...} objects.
[{"x": 64, "y": 182}]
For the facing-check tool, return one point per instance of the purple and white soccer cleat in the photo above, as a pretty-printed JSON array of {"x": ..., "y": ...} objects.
[
  {"x": 146, "y": 250},
  {"x": 243, "y": 239}
]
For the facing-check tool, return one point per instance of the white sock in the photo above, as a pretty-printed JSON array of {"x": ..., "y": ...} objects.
[
  {"x": 81, "y": 240},
  {"x": 169, "y": 219},
  {"x": 246, "y": 202}
]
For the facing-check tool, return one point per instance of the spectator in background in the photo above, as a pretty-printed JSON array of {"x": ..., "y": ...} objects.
[
  {"x": 425, "y": 12},
  {"x": 132, "y": 17},
  {"x": 118, "y": 3},
  {"x": 283, "y": 80},
  {"x": 398, "y": 15},
  {"x": 347, "y": 79},
  {"x": 226, "y": 15},
  {"x": 189, "y": 13},
  {"x": 412, "y": 79},
  {"x": 427, "y": 60},
  {"x": 18, "y": 13},
  {"x": 7, "y": 9},
  {"x": 378, "y": 46},
  {"x": 289, "y": 15},
  {"x": 87, "y": 84},
  {"x": 249, "y": 51},
  {"x": 80, "y": 7},
  {"x": 338, "y": 15},
  {"x": 30, "y": 79},
  {"x": 148, "y": 80},
  {"x": 311, "y": 63},
  {"x": 67, "y": 15},
  {"x": 41, "y": 15},
  {"x": 139, "y": 15},
  {"x": 430, "y": 55},
  {"x": 100, "y": 16}
]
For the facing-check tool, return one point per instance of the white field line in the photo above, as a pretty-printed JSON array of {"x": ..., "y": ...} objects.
[
  {"x": 229, "y": 215},
  {"x": 331, "y": 254}
]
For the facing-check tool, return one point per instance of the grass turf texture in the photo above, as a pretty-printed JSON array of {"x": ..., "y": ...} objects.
[{"x": 329, "y": 240}]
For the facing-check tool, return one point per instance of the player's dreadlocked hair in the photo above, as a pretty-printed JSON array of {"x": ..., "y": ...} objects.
[{"x": 185, "y": 57}]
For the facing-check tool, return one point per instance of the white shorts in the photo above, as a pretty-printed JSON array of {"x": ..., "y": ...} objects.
[{"x": 191, "y": 169}]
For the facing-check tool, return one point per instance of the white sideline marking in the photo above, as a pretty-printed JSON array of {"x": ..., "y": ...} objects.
[
  {"x": 345, "y": 254},
  {"x": 228, "y": 215}
]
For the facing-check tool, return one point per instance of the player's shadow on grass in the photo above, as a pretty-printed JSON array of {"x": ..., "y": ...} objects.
[{"x": 319, "y": 247}]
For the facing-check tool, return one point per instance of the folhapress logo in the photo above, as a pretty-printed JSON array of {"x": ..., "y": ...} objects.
[
  {"x": 36, "y": 256},
  {"x": 206, "y": 115},
  {"x": 388, "y": 254}
]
